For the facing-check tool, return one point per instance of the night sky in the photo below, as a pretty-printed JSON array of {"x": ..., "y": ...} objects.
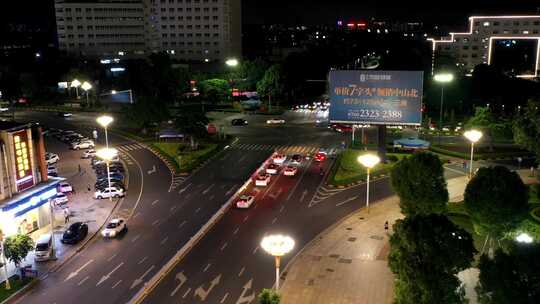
[{"x": 318, "y": 11}]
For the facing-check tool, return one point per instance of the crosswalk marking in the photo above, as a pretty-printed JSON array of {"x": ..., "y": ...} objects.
[
  {"x": 177, "y": 180},
  {"x": 130, "y": 147},
  {"x": 281, "y": 148}
]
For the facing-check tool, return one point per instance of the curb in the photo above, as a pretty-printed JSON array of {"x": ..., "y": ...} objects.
[{"x": 20, "y": 292}]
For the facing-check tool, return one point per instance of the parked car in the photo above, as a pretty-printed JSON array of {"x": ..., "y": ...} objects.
[
  {"x": 262, "y": 179},
  {"x": 114, "y": 175},
  {"x": 109, "y": 192},
  {"x": 239, "y": 122},
  {"x": 272, "y": 169},
  {"x": 83, "y": 144},
  {"x": 60, "y": 199},
  {"x": 89, "y": 153},
  {"x": 115, "y": 227},
  {"x": 51, "y": 158},
  {"x": 245, "y": 201},
  {"x": 105, "y": 180},
  {"x": 43, "y": 249},
  {"x": 75, "y": 233},
  {"x": 52, "y": 171},
  {"x": 65, "y": 187},
  {"x": 296, "y": 159}
]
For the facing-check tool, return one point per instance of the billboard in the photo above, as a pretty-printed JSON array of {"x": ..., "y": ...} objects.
[
  {"x": 376, "y": 97},
  {"x": 23, "y": 177}
]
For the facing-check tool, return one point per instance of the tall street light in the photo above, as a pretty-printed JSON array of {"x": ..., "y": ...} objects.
[
  {"x": 369, "y": 161},
  {"x": 107, "y": 154},
  {"x": 473, "y": 136},
  {"x": 76, "y": 84},
  {"x": 277, "y": 245},
  {"x": 104, "y": 121},
  {"x": 232, "y": 62},
  {"x": 442, "y": 78},
  {"x": 86, "y": 86}
]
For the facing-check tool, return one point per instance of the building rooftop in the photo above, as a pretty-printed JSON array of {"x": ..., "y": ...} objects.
[{"x": 13, "y": 126}]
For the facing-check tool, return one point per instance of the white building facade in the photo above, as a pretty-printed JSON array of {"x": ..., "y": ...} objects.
[
  {"x": 196, "y": 30},
  {"x": 475, "y": 46}
]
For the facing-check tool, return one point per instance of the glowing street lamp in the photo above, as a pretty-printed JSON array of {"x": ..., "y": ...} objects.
[
  {"x": 76, "y": 84},
  {"x": 369, "y": 161},
  {"x": 107, "y": 154},
  {"x": 232, "y": 62},
  {"x": 104, "y": 121},
  {"x": 277, "y": 245},
  {"x": 524, "y": 238},
  {"x": 473, "y": 136},
  {"x": 86, "y": 86},
  {"x": 442, "y": 78}
]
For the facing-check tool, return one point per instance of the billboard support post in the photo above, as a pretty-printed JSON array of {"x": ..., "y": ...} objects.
[
  {"x": 352, "y": 143},
  {"x": 381, "y": 142}
]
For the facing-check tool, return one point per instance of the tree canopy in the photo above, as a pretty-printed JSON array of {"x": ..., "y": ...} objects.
[
  {"x": 426, "y": 252},
  {"x": 16, "y": 247},
  {"x": 526, "y": 127},
  {"x": 419, "y": 182},
  {"x": 496, "y": 199},
  {"x": 510, "y": 277},
  {"x": 272, "y": 83},
  {"x": 215, "y": 90},
  {"x": 488, "y": 123},
  {"x": 269, "y": 296},
  {"x": 145, "y": 111}
]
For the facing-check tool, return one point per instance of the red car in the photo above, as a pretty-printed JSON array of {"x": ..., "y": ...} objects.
[
  {"x": 320, "y": 157},
  {"x": 342, "y": 128}
]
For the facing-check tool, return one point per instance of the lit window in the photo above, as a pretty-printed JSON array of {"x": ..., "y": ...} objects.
[{"x": 486, "y": 23}]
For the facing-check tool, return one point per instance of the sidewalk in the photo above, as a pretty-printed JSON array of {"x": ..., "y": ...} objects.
[
  {"x": 83, "y": 208},
  {"x": 347, "y": 263}
]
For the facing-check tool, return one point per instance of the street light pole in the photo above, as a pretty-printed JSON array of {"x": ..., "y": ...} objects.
[
  {"x": 107, "y": 154},
  {"x": 442, "y": 78},
  {"x": 367, "y": 191},
  {"x": 473, "y": 136},
  {"x": 277, "y": 246},
  {"x": 441, "y": 114},
  {"x": 369, "y": 161}
]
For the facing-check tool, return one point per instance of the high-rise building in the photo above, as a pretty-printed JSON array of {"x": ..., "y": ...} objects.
[
  {"x": 198, "y": 30},
  {"x": 510, "y": 42}
]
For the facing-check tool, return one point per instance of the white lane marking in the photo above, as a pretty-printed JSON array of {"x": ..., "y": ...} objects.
[
  {"x": 224, "y": 298},
  {"x": 230, "y": 190},
  {"x": 108, "y": 275},
  {"x": 134, "y": 239},
  {"x": 207, "y": 266},
  {"x": 274, "y": 220},
  {"x": 198, "y": 209},
  {"x": 236, "y": 230},
  {"x": 245, "y": 219},
  {"x": 152, "y": 171},
  {"x": 155, "y": 222},
  {"x": 224, "y": 246},
  {"x": 136, "y": 214},
  {"x": 241, "y": 271},
  {"x": 208, "y": 189},
  {"x": 182, "y": 278},
  {"x": 76, "y": 272},
  {"x": 116, "y": 284},
  {"x": 255, "y": 250},
  {"x": 185, "y": 188},
  {"x": 164, "y": 241},
  {"x": 281, "y": 209},
  {"x": 139, "y": 280},
  {"x": 142, "y": 260},
  {"x": 246, "y": 299},
  {"x": 211, "y": 197},
  {"x": 185, "y": 294},
  {"x": 303, "y": 195},
  {"x": 83, "y": 280},
  {"x": 155, "y": 202},
  {"x": 350, "y": 199},
  {"x": 203, "y": 294},
  {"x": 182, "y": 224},
  {"x": 112, "y": 257}
]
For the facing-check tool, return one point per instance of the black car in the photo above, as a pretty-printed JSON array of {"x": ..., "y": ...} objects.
[
  {"x": 239, "y": 122},
  {"x": 75, "y": 233},
  {"x": 103, "y": 186}
]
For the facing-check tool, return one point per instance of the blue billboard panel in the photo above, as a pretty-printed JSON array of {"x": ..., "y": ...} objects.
[{"x": 376, "y": 97}]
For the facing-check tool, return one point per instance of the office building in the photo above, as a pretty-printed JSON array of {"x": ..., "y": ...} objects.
[
  {"x": 194, "y": 30},
  {"x": 509, "y": 42}
]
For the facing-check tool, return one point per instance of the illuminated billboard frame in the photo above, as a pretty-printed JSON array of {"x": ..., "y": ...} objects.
[
  {"x": 537, "y": 38},
  {"x": 24, "y": 178}
]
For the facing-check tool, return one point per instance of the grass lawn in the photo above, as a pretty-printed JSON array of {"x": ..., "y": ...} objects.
[
  {"x": 347, "y": 170},
  {"x": 185, "y": 159},
  {"x": 16, "y": 285},
  {"x": 463, "y": 151}
]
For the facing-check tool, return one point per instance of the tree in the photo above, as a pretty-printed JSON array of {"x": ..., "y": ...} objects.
[
  {"x": 192, "y": 124},
  {"x": 510, "y": 277},
  {"x": 215, "y": 90},
  {"x": 526, "y": 127},
  {"x": 145, "y": 111},
  {"x": 17, "y": 247},
  {"x": 426, "y": 252},
  {"x": 271, "y": 85},
  {"x": 492, "y": 127},
  {"x": 419, "y": 182},
  {"x": 269, "y": 296},
  {"x": 496, "y": 200},
  {"x": 248, "y": 74}
]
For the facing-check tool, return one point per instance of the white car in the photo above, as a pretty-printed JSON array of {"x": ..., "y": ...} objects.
[
  {"x": 262, "y": 180},
  {"x": 2, "y": 109},
  {"x": 279, "y": 159},
  {"x": 290, "y": 171},
  {"x": 84, "y": 144},
  {"x": 114, "y": 228},
  {"x": 245, "y": 201},
  {"x": 274, "y": 121},
  {"x": 89, "y": 153},
  {"x": 61, "y": 199},
  {"x": 109, "y": 192},
  {"x": 52, "y": 170},
  {"x": 51, "y": 158},
  {"x": 272, "y": 169},
  {"x": 65, "y": 187}
]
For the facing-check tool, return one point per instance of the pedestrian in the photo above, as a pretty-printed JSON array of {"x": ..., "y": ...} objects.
[
  {"x": 66, "y": 215},
  {"x": 386, "y": 226},
  {"x": 464, "y": 165},
  {"x": 89, "y": 189},
  {"x": 79, "y": 168}
]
